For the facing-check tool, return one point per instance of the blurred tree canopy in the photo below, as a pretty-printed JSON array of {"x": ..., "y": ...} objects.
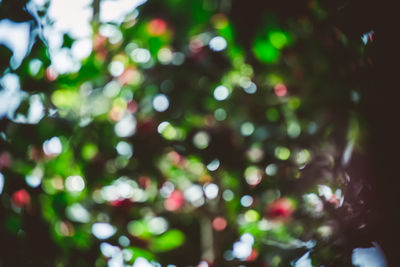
[{"x": 183, "y": 133}]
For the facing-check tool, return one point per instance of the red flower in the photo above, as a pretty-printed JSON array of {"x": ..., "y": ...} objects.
[
  {"x": 174, "y": 201},
  {"x": 21, "y": 198},
  {"x": 281, "y": 208}
]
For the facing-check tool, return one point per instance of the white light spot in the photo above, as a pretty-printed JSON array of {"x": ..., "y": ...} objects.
[
  {"x": 75, "y": 183},
  {"x": 1, "y": 182},
  {"x": 52, "y": 147},
  {"x": 247, "y": 238},
  {"x": 220, "y": 114},
  {"x": 201, "y": 139},
  {"x": 126, "y": 127},
  {"x": 82, "y": 48},
  {"x": 162, "y": 126},
  {"x": 213, "y": 165},
  {"x": 247, "y": 128},
  {"x": 158, "y": 225},
  {"x": 194, "y": 194},
  {"x": 246, "y": 201},
  {"x": 33, "y": 180},
  {"x": 116, "y": 11},
  {"x": 218, "y": 43},
  {"x": 369, "y": 257},
  {"x": 140, "y": 55},
  {"x": 116, "y": 68},
  {"x": 142, "y": 262},
  {"x": 124, "y": 149},
  {"x": 112, "y": 89},
  {"x": 160, "y": 103},
  {"x": 103, "y": 230},
  {"x": 164, "y": 55},
  {"x": 221, "y": 93},
  {"x": 271, "y": 169},
  {"x": 211, "y": 191},
  {"x": 241, "y": 250},
  {"x": 76, "y": 212},
  {"x": 228, "y": 195}
]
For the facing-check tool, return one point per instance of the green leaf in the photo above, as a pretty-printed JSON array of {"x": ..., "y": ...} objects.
[{"x": 168, "y": 241}]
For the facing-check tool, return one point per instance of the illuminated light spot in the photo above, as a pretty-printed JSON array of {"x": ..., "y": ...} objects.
[
  {"x": 355, "y": 96},
  {"x": 160, "y": 103},
  {"x": 126, "y": 127},
  {"x": 201, "y": 140},
  {"x": 264, "y": 225},
  {"x": 325, "y": 232},
  {"x": 219, "y": 224},
  {"x": 271, "y": 169},
  {"x": 213, "y": 165},
  {"x": 282, "y": 153},
  {"x": 247, "y": 238},
  {"x": 281, "y": 208},
  {"x": 156, "y": 27},
  {"x": 75, "y": 183},
  {"x": 203, "y": 264},
  {"x": 293, "y": 129},
  {"x": 142, "y": 262},
  {"x": 57, "y": 183},
  {"x": 116, "y": 113},
  {"x": 162, "y": 126},
  {"x": 248, "y": 86},
  {"x": 116, "y": 68},
  {"x": 174, "y": 201},
  {"x": 1, "y": 182},
  {"x": 103, "y": 230},
  {"x": 51, "y": 74},
  {"x": 108, "y": 250},
  {"x": 21, "y": 198},
  {"x": 76, "y": 212},
  {"x": 32, "y": 180},
  {"x": 140, "y": 55},
  {"x": 124, "y": 241},
  {"x": 247, "y": 128},
  {"x": 164, "y": 55},
  {"x": 65, "y": 228},
  {"x": 127, "y": 254},
  {"x": 251, "y": 216},
  {"x": 280, "y": 90},
  {"x": 166, "y": 189},
  {"x": 178, "y": 58},
  {"x": 241, "y": 250},
  {"x": 112, "y": 89},
  {"x": 228, "y": 195},
  {"x": 303, "y": 156},
  {"x": 194, "y": 194},
  {"x": 158, "y": 225},
  {"x": 246, "y": 201},
  {"x": 218, "y": 43},
  {"x": 220, "y": 114},
  {"x": 34, "y": 66},
  {"x": 369, "y": 257},
  {"x": 211, "y": 191},
  {"x": 82, "y": 48},
  {"x": 253, "y": 175},
  {"x": 221, "y": 93},
  {"x": 124, "y": 149},
  {"x": 272, "y": 114},
  {"x": 255, "y": 154},
  {"x": 278, "y": 39},
  {"x": 52, "y": 147}
]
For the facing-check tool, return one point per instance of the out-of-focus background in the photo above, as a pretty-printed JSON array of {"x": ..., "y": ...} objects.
[{"x": 196, "y": 133}]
